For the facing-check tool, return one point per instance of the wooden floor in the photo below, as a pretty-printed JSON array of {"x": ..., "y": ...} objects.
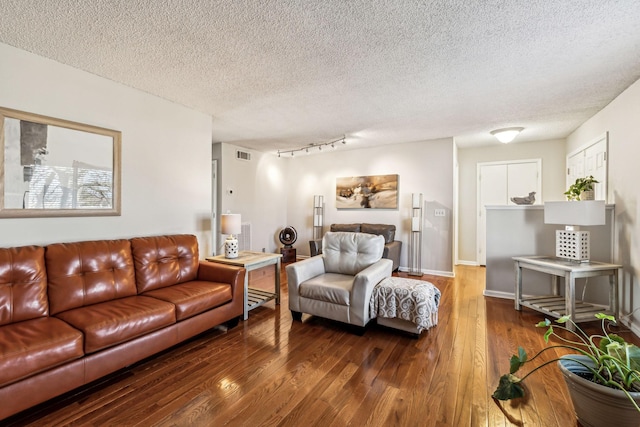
[{"x": 272, "y": 371}]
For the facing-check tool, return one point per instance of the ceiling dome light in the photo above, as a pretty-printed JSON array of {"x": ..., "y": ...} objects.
[{"x": 506, "y": 135}]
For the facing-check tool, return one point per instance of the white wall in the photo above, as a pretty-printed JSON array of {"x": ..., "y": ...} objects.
[
  {"x": 166, "y": 160},
  {"x": 256, "y": 189},
  {"x": 551, "y": 152},
  {"x": 621, "y": 119},
  {"x": 425, "y": 167}
]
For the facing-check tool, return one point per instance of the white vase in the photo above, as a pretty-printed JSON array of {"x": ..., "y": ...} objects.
[{"x": 596, "y": 405}]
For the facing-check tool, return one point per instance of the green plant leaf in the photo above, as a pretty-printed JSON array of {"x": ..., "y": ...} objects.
[
  {"x": 508, "y": 388},
  {"x": 522, "y": 354},
  {"x": 633, "y": 353},
  {"x": 517, "y": 360},
  {"x": 605, "y": 317},
  {"x": 563, "y": 319},
  {"x": 548, "y": 334},
  {"x": 543, "y": 323}
]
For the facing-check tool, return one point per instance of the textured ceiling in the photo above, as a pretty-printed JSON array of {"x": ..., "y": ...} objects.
[{"x": 278, "y": 74}]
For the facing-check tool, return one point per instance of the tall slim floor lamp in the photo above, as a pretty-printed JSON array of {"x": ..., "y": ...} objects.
[
  {"x": 415, "y": 245},
  {"x": 318, "y": 217}
]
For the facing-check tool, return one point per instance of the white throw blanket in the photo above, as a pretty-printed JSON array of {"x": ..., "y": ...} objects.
[{"x": 415, "y": 301}]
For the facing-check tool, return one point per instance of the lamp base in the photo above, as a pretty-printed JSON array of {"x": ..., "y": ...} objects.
[
  {"x": 573, "y": 245},
  {"x": 231, "y": 247}
]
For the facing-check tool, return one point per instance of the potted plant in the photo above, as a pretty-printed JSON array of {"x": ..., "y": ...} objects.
[
  {"x": 603, "y": 377},
  {"x": 582, "y": 189}
]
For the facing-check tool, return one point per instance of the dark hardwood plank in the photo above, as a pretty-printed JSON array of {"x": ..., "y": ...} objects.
[{"x": 270, "y": 370}]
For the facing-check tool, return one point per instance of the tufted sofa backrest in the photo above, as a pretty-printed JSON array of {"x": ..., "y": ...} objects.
[
  {"x": 387, "y": 231},
  {"x": 350, "y": 253},
  {"x": 85, "y": 273},
  {"x": 162, "y": 261},
  {"x": 23, "y": 284}
]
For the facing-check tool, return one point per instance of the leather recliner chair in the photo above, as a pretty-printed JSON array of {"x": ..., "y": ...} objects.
[{"x": 338, "y": 284}]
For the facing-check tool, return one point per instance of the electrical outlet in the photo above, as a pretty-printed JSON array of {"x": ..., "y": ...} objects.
[{"x": 438, "y": 212}]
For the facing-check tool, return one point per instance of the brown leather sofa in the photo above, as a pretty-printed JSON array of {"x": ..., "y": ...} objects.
[
  {"x": 392, "y": 247},
  {"x": 71, "y": 313}
]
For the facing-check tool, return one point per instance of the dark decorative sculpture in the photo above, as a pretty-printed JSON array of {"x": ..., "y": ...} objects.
[{"x": 288, "y": 236}]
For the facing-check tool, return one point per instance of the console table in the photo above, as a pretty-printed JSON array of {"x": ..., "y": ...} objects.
[
  {"x": 251, "y": 261},
  {"x": 557, "y": 305}
]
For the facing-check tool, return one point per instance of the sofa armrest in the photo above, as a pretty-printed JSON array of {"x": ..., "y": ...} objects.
[
  {"x": 299, "y": 272},
  {"x": 392, "y": 252},
  {"x": 315, "y": 247},
  {"x": 221, "y": 273},
  {"x": 363, "y": 285}
]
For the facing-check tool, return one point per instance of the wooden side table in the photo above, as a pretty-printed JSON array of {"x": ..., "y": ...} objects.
[
  {"x": 556, "y": 305},
  {"x": 288, "y": 254},
  {"x": 252, "y": 261}
]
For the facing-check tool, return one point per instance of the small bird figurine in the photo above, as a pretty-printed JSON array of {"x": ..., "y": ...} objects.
[{"x": 528, "y": 200}]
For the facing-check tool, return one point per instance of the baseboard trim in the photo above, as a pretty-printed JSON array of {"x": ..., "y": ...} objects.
[
  {"x": 469, "y": 263},
  {"x": 430, "y": 272},
  {"x": 633, "y": 327},
  {"x": 499, "y": 294}
]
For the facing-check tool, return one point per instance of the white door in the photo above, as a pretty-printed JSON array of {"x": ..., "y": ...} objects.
[
  {"x": 590, "y": 159},
  {"x": 522, "y": 179},
  {"x": 497, "y": 183}
]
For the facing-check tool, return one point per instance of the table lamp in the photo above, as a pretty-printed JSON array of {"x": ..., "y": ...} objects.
[
  {"x": 573, "y": 243},
  {"x": 230, "y": 224}
]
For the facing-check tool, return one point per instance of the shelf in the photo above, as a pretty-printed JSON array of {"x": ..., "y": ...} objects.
[
  {"x": 555, "y": 306},
  {"x": 258, "y": 297}
]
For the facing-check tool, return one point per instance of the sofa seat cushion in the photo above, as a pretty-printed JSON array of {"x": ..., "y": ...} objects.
[
  {"x": 36, "y": 345},
  {"x": 113, "y": 322},
  {"x": 330, "y": 287},
  {"x": 193, "y": 297}
]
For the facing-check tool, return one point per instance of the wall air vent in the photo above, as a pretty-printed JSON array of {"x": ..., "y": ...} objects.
[{"x": 243, "y": 155}]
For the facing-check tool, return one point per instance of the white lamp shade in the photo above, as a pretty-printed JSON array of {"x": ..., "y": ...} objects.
[
  {"x": 588, "y": 212},
  {"x": 230, "y": 224},
  {"x": 415, "y": 223}
]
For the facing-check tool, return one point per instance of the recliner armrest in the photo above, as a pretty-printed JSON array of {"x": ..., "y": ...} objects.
[
  {"x": 315, "y": 247},
  {"x": 363, "y": 285},
  {"x": 299, "y": 272}
]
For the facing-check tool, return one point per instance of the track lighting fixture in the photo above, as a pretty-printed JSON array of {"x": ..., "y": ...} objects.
[{"x": 313, "y": 145}]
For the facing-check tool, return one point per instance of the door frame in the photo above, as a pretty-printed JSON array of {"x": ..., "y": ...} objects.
[{"x": 214, "y": 206}]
